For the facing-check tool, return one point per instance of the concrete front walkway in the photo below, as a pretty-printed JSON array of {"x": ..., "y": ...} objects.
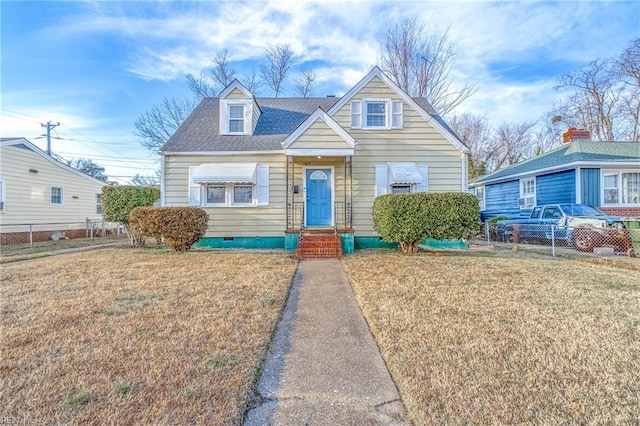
[{"x": 324, "y": 366}]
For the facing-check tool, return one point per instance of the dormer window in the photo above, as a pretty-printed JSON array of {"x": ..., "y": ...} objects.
[{"x": 236, "y": 118}]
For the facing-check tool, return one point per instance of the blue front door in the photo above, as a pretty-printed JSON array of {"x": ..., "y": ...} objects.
[{"x": 318, "y": 197}]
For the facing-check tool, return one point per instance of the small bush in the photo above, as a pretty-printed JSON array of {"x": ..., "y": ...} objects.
[
  {"x": 180, "y": 227},
  {"x": 410, "y": 218},
  {"x": 79, "y": 398},
  {"x": 493, "y": 232}
]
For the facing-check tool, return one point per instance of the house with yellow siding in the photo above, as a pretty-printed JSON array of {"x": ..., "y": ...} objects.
[{"x": 302, "y": 173}]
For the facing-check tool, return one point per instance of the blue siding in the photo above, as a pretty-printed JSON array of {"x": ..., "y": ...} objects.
[
  {"x": 590, "y": 186},
  {"x": 556, "y": 188},
  {"x": 501, "y": 199}
]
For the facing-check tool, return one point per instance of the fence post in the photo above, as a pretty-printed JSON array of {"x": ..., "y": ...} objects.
[
  {"x": 553, "y": 240},
  {"x": 104, "y": 229},
  {"x": 515, "y": 237},
  {"x": 30, "y": 235},
  {"x": 486, "y": 233}
]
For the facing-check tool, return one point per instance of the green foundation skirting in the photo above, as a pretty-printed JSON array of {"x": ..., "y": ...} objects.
[
  {"x": 349, "y": 243},
  {"x": 242, "y": 242}
]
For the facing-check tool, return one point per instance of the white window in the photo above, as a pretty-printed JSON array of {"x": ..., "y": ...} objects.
[
  {"x": 56, "y": 195},
  {"x": 98, "y": 203},
  {"x": 215, "y": 194},
  {"x": 242, "y": 194},
  {"x": 393, "y": 178},
  {"x": 376, "y": 113},
  {"x": 620, "y": 188},
  {"x": 236, "y": 118},
  {"x": 527, "y": 193},
  {"x": 400, "y": 189},
  {"x": 230, "y": 194},
  {"x": 480, "y": 195},
  {"x": 2, "y": 196}
]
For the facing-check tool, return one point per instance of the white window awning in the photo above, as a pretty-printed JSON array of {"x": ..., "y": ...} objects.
[
  {"x": 225, "y": 173},
  {"x": 404, "y": 173}
]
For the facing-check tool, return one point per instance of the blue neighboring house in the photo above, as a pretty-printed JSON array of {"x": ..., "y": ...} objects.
[{"x": 603, "y": 174}]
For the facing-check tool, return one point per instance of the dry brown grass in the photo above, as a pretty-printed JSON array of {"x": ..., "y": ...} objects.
[
  {"x": 473, "y": 339},
  {"x": 134, "y": 336}
]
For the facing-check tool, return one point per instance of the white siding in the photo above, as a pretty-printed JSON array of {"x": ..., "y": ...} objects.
[{"x": 27, "y": 194}]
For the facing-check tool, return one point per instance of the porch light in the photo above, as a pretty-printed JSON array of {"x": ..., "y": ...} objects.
[{"x": 319, "y": 157}]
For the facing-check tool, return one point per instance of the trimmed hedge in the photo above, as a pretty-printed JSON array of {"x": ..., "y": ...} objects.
[
  {"x": 410, "y": 218},
  {"x": 119, "y": 201},
  {"x": 180, "y": 227}
]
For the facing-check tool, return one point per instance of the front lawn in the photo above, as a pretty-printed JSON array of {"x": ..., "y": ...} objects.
[
  {"x": 473, "y": 339},
  {"x": 134, "y": 336}
]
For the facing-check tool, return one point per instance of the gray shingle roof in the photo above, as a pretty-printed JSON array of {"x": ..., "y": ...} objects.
[
  {"x": 200, "y": 132},
  {"x": 280, "y": 117},
  {"x": 595, "y": 151}
]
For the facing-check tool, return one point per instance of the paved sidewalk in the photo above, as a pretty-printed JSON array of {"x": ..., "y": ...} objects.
[{"x": 324, "y": 366}]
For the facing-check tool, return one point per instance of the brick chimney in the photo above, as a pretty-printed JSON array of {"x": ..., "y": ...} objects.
[{"x": 573, "y": 134}]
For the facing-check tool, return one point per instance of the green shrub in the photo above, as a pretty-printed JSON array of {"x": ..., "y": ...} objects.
[
  {"x": 119, "y": 201},
  {"x": 180, "y": 227},
  {"x": 410, "y": 218}
]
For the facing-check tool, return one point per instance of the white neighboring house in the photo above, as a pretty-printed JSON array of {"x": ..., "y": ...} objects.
[{"x": 38, "y": 190}]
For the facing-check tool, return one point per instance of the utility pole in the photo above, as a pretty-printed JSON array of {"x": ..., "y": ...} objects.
[{"x": 49, "y": 126}]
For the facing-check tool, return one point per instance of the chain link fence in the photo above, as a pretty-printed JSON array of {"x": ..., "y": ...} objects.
[
  {"x": 622, "y": 239},
  {"x": 36, "y": 232}
]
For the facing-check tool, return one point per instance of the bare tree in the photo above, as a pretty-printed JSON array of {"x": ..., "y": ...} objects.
[
  {"x": 511, "y": 144},
  {"x": 156, "y": 125},
  {"x": 475, "y": 132},
  {"x": 220, "y": 75},
  {"x": 595, "y": 101},
  {"x": 88, "y": 167},
  {"x": 304, "y": 83},
  {"x": 421, "y": 65},
  {"x": 252, "y": 82},
  {"x": 274, "y": 70},
  {"x": 628, "y": 69},
  {"x": 146, "y": 180}
]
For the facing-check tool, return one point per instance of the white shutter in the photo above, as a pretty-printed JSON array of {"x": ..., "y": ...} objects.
[
  {"x": 356, "y": 115},
  {"x": 382, "y": 179},
  {"x": 262, "y": 185},
  {"x": 248, "y": 118},
  {"x": 424, "y": 173},
  {"x": 396, "y": 115},
  {"x": 194, "y": 189}
]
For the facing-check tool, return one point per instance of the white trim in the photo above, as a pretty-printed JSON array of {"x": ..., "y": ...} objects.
[
  {"x": 557, "y": 168},
  {"x": 377, "y": 72},
  {"x": 163, "y": 183},
  {"x": 619, "y": 173},
  {"x": 61, "y": 203},
  {"x": 222, "y": 153},
  {"x": 387, "y": 113},
  {"x": 465, "y": 172},
  {"x": 528, "y": 196},
  {"x": 328, "y": 120},
  {"x": 483, "y": 201},
  {"x": 235, "y": 84},
  {"x": 333, "y": 189},
  {"x": 44, "y": 155},
  {"x": 247, "y": 120},
  {"x": 578, "y": 177},
  {"x": 313, "y": 152}
]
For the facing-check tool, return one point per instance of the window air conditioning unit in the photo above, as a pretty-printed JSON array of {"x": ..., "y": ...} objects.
[{"x": 528, "y": 201}]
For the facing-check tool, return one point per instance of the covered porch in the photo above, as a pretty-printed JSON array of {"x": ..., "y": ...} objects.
[{"x": 319, "y": 186}]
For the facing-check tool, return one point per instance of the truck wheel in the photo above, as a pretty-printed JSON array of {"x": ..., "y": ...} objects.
[
  {"x": 508, "y": 237},
  {"x": 584, "y": 241}
]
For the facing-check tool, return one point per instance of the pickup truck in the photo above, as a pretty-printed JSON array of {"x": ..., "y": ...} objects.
[{"x": 579, "y": 225}]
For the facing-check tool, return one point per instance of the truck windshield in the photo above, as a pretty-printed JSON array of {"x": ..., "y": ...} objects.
[{"x": 580, "y": 210}]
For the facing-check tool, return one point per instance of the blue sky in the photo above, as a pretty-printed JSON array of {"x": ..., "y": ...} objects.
[{"x": 95, "y": 67}]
